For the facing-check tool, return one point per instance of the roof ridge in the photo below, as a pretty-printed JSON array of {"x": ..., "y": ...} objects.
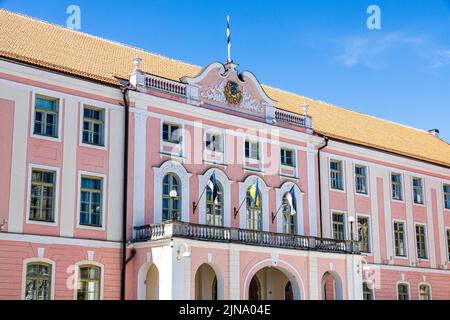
[{"x": 96, "y": 37}]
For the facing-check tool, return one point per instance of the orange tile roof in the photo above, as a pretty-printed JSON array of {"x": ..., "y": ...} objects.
[{"x": 47, "y": 45}]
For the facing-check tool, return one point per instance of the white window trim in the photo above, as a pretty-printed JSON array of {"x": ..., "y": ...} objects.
[
  {"x": 403, "y": 282},
  {"x": 77, "y": 272},
  {"x": 294, "y": 167},
  {"x": 446, "y": 245},
  {"x": 259, "y": 162},
  {"x": 444, "y": 183},
  {"x": 216, "y": 131},
  {"x": 405, "y": 232},
  {"x": 429, "y": 286},
  {"x": 56, "y": 202},
  {"x": 162, "y": 143},
  {"x": 368, "y": 216},
  {"x": 105, "y": 127},
  {"x": 33, "y": 113},
  {"x": 402, "y": 182},
  {"x": 373, "y": 287},
  {"x": 343, "y": 174},
  {"x": 171, "y": 166},
  {"x": 423, "y": 191},
  {"x": 426, "y": 241},
  {"x": 280, "y": 192},
  {"x": 226, "y": 186},
  {"x": 346, "y": 225},
  {"x": 367, "y": 180},
  {"x": 264, "y": 189},
  {"x": 24, "y": 274},
  {"x": 104, "y": 193}
]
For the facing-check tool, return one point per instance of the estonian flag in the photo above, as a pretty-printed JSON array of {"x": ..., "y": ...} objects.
[
  {"x": 292, "y": 201},
  {"x": 254, "y": 193},
  {"x": 214, "y": 188}
]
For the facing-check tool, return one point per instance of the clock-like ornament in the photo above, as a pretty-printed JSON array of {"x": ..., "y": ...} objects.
[{"x": 233, "y": 92}]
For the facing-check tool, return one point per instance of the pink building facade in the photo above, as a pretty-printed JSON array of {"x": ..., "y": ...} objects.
[{"x": 367, "y": 224}]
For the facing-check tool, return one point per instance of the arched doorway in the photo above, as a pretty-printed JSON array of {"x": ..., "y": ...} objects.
[
  {"x": 152, "y": 283},
  {"x": 331, "y": 286},
  {"x": 205, "y": 283},
  {"x": 271, "y": 283}
]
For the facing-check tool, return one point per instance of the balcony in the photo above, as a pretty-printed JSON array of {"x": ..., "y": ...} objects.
[
  {"x": 170, "y": 229},
  {"x": 283, "y": 116}
]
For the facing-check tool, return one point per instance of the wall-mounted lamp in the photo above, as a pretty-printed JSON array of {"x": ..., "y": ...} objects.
[
  {"x": 351, "y": 219},
  {"x": 185, "y": 254}
]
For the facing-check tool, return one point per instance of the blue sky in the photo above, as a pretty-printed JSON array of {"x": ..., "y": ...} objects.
[{"x": 321, "y": 49}]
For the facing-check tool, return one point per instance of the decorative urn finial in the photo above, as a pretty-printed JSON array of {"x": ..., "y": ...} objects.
[{"x": 305, "y": 109}]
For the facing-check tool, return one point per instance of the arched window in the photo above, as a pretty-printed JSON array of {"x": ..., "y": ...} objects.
[
  {"x": 88, "y": 283},
  {"x": 254, "y": 290},
  {"x": 288, "y": 293},
  {"x": 171, "y": 203},
  {"x": 289, "y": 220},
  {"x": 424, "y": 292},
  {"x": 254, "y": 212},
  {"x": 214, "y": 211},
  {"x": 38, "y": 281}
]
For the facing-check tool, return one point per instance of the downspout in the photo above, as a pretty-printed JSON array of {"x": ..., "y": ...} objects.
[
  {"x": 320, "y": 186},
  {"x": 124, "y": 91}
]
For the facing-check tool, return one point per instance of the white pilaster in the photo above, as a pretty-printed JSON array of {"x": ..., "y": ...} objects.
[{"x": 312, "y": 200}]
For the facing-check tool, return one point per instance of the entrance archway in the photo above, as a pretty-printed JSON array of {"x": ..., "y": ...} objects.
[
  {"x": 331, "y": 286},
  {"x": 206, "y": 283},
  {"x": 272, "y": 283},
  {"x": 152, "y": 283}
]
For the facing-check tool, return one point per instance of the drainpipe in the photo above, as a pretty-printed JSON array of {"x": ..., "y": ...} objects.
[
  {"x": 320, "y": 187},
  {"x": 124, "y": 90}
]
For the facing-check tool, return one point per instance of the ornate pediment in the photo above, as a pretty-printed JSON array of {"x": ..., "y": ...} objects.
[{"x": 221, "y": 85}]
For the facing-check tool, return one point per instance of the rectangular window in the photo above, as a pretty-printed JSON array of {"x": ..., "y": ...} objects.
[
  {"x": 417, "y": 191},
  {"x": 251, "y": 150},
  {"x": 46, "y": 116},
  {"x": 364, "y": 234},
  {"x": 446, "y": 190},
  {"x": 403, "y": 291},
  {"x": 361, "y": 179},
  {"x": 396, "y": 180},
  {"x": 338, "y": 226},
  {"x": 287, "y": 157},
  {"x": 42, "y": 197},
  {"x": 336, "y": 175},
  {"x": 171, "y": 133},
  {"x": 214, "y": 142},
  {"x": 421, "y": 242},
  {"x": 91, "y": 201},
  {"x": 93, "y": 126},
  {"x": 367, "y": 291},
  {"x": 448, "y": 243},
  {"x": 399, "y": 238},
  {"x": 38, "y": 281}
]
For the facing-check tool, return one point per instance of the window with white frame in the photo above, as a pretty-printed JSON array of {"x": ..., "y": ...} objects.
[
  {"x": 38, "y": 281},
  {"x": 171, "y": 133},
  {"x": 403, "y": 291},
  {"x": 446, "y": 190},
  {"x": 417, "y": 190},
  {"x": 42, "y": 197},
  {"x": 46, "y": 112},
  {"x": 448, "y": 243},
  {"x": 399, "y": 239},
  {"x": 396, "y": 182},
  {"x": 336, "y": 176},
  {"x": 88, "y": 283},
  {"x": 287, "y": 157},
  {"x": 91, "y": 199},
  {"x": 338, "y": 221},
  {"x": 254, "y": 211},
  {"x": 424, "y": 292},
  {"x": 364, "y": 234},
  {"x": 289, "y": 219},
  {"x": 214, "y": 208},
  {"x": 252, "y": 150},
  {"x": 93, "y": 126},
  {"x": 367, "y": 291},
  {"x": 361, "y": 179},
  {"x": 214, "y": 141},
  {"x": 421, "y": 242},
  {"x": 171, "y": 197}
]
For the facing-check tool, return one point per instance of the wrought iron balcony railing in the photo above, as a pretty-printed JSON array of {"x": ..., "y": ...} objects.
[{"x": 170, "y": 229}]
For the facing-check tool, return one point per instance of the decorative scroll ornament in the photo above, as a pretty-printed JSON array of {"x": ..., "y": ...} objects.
[{"x": 233, "y": 92}]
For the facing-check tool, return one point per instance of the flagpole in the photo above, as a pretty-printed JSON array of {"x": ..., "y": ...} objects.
[
  {"x": 274, "y": 216},
  {"x": 237, "y": 211},
  {"x": 228, "y": 39},
  {"x": 195, "y": 204}
]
